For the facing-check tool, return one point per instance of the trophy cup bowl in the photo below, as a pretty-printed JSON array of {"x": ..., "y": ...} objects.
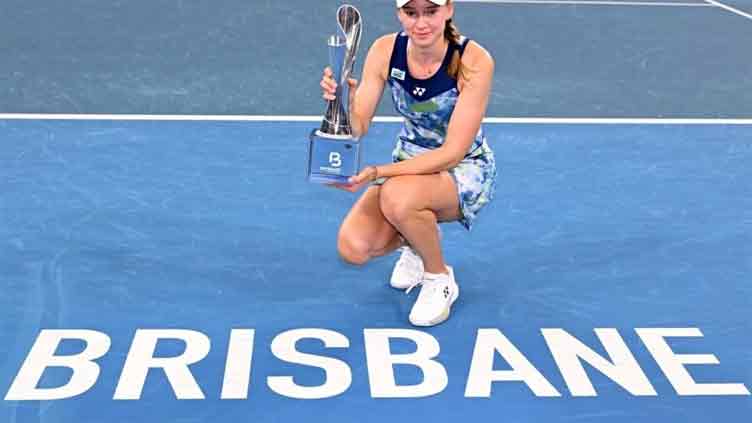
[{"x": 334, "y": 154}]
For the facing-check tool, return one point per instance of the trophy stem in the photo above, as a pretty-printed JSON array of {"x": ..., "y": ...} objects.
[
  {"x": 336, "y": 120},
  {"x": 342, "y": 49}
]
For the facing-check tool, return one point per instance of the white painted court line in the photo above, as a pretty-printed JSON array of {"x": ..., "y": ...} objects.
[
  {"x": 121, "y": 117},
  {"x": 388, "y": 119},
  {"x": 704, "y": 3},
  {"x": 593, "y": 3},
  {"x": 730, "y": 9},
  {"x": 620, "y": 121}
]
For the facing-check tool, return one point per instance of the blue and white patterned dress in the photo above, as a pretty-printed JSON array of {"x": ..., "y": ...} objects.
[{"x": 427, "y": 105}]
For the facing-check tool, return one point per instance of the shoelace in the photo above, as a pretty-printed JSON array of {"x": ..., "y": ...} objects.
[
  {"x": 410, "y": 288},
  {"x": 430, "y": 289}
]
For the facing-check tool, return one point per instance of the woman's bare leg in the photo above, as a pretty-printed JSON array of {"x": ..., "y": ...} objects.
[
  {"x": 366, "y": 233},
  {"x": 412, "y": 205}
]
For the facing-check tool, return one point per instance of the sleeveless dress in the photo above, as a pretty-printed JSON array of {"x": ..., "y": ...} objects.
[{"x": 426, "y": 106}]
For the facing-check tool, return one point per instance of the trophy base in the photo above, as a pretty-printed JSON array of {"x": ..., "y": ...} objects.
[
  {"x": 327, "y": 179},
  {"x": 332, "y": 158}
]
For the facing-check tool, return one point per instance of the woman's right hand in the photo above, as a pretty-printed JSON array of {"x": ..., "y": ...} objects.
[{"x": 328, "y": 85}]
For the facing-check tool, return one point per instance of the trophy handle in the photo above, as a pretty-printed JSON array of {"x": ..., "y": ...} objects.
[{"x": 350, "y": 28}]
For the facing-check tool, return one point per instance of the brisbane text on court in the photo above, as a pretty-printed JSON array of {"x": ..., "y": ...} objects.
[{"x": 569, "y": 353}]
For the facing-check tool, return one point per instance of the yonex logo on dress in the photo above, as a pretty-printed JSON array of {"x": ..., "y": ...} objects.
[{"x": 419, "y": 91}]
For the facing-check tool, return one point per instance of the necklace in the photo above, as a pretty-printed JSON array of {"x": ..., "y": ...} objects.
[
  {"x": 426, "y": 71},
  {"x": 421, "y": 70}
]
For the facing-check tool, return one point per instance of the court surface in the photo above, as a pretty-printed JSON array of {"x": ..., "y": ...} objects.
[{"x": 623, "y": 209}]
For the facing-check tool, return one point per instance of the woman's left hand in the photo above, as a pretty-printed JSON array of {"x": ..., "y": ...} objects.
[
  {"x": 356, "y": 182},
  {"x": 369, "y": 174}
]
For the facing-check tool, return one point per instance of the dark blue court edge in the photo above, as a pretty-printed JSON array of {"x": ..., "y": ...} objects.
[{"x": 265, "y": 58}]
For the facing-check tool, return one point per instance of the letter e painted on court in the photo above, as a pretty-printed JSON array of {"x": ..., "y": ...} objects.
[
  {"x": 623, "y": 369},
  {"x": 338, "y": 374},
  {"x": 672, "y": 364},
  {"x": 381, "y": 364},
  {"x": 141, "y": 359},
  {"x": 487, "y": 343},
  {"x": 42, "y": 356}
]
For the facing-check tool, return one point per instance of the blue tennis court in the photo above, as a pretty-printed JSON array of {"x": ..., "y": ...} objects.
[{"x": 181, "y": 269}]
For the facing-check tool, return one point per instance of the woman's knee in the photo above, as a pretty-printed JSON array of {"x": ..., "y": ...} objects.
[
  {"x": 395, "y": 200},
  {"x": 353, "y": 250}
]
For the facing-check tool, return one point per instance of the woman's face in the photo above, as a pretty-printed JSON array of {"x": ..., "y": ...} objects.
[{"x": 424, "y": 21}]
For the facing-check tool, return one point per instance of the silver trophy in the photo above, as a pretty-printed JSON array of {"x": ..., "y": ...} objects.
[{"x": 334, "y": 153}]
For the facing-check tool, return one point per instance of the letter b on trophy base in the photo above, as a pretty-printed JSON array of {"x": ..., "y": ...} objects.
[{"x": 332, "y": 158}]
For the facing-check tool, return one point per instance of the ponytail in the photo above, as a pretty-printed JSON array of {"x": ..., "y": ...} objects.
[{"x": 452, "y": 34}]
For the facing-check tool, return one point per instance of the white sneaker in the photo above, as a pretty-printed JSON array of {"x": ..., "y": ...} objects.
[
  {"x": 409, "y": 267},
  {"x": 408, "y": 270},
  {"x": 435, "y": 300}
]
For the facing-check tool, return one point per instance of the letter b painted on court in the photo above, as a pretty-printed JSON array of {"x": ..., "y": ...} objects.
[
  {"x": 42, "y": 355},
  {"x": 381, "y": 363}
]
